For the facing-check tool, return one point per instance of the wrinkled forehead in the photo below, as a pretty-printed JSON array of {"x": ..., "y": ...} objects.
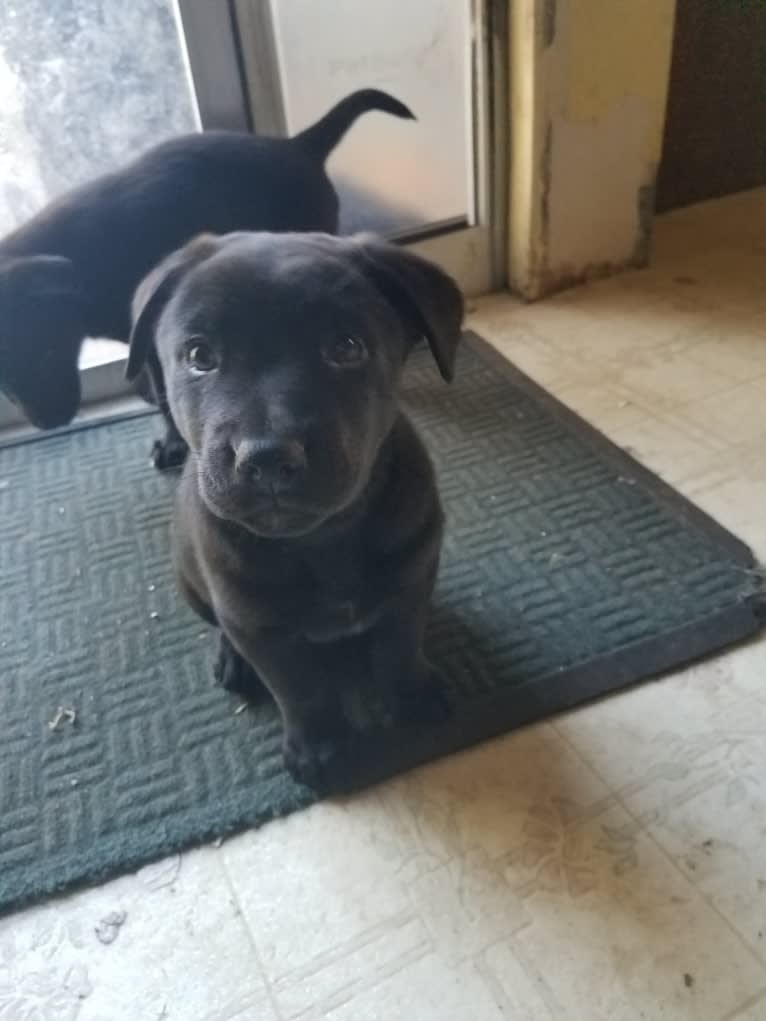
[{"x": 291, "y": 290}]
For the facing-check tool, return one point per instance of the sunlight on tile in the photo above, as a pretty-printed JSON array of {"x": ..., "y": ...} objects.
[
  {"x": 162, "y": 938},
  {"x": 618, "y": 932}
]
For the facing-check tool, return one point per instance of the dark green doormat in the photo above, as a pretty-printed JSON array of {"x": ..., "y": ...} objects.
[{"x": 569, "y": 571}]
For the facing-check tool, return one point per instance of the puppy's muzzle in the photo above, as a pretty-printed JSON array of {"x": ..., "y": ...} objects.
[{"x": 271, "y": 465}]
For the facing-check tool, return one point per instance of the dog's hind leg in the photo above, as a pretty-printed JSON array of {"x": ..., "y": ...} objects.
[
  {"x": 399, "y": 664},
  {"x": 230, "y": 670},
  {"x": 235, "y": 674}
]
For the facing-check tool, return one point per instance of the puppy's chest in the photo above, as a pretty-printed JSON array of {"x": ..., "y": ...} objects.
[{"x": 322, "y": 591}]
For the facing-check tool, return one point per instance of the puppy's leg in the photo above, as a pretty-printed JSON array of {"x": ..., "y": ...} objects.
[
  {"x": 307, "y": 680},
  {"x": 230, "y": 670},
  {"x": 235, "y": 674},
  {"x": 399, "y": 664}
]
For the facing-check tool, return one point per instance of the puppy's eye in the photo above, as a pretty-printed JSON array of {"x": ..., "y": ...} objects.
[
  {"x": 201, "y": 357},
  {"x": 345, "y": 353}
]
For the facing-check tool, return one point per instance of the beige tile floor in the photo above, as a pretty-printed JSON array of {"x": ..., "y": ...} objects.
[{"x": 608, "y": 865}]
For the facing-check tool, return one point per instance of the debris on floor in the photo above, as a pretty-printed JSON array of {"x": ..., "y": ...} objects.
[
  {"x": 688, "y": 980},
  {"x": 64, "y": 714},
  {"x": 108, "y": 929},
  {"x": 160, "y": 874}
]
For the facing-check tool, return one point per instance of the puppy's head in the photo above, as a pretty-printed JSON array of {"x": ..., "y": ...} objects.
[
  {"x": 41, "y": 330},
  {"x": 281, "y": 356}
]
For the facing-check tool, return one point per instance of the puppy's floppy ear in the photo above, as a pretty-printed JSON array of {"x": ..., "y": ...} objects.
[
  {"x": 426, "y": 299},
  {"x": 155, "y": 291}
]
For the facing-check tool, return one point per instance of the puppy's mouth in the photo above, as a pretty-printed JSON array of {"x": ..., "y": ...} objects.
[
  {"x": 278, "y": 522},
  {"x": 267, "y": 515}
]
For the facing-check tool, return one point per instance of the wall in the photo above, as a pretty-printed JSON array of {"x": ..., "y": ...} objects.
[{"x": 588, "y": 92}]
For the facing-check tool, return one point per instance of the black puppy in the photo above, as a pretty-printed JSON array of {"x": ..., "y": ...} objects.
[
  {"x": 72, "y": 270},
  {"x": 308, "y": 523}
]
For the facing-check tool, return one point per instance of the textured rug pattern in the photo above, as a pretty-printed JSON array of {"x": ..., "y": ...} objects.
[{"x": 568, "y": 571}]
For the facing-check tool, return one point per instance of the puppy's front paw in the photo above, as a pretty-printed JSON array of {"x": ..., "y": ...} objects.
[
  {"x": 169, "y": 454},
  {"x": 236, "y": 675},
  {"x": 317, "y": 764},
  {"x": 424, "y": 702}
]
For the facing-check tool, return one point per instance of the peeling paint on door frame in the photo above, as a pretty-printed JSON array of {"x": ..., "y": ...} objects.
[{"x": 558, "y": 101}]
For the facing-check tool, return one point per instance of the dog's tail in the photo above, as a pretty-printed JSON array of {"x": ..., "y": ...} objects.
[{"x": 321, "y": 138}]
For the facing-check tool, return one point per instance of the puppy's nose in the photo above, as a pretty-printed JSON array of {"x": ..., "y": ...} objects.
[{"x": 271, "y": 464}]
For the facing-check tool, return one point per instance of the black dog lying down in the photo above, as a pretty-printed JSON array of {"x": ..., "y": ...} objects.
[
  {"x": 72, "y": 270},
  {"x": 308, "y": 523}
]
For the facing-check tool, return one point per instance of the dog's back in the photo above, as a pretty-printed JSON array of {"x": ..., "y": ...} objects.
[{"x": 116, "y": 228}]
